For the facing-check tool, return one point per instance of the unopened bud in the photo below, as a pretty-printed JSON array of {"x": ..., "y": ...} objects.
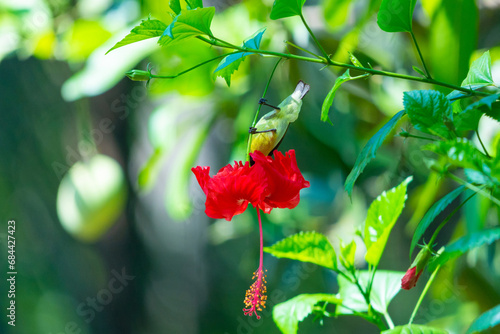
[{"x": 139, "y": 75}]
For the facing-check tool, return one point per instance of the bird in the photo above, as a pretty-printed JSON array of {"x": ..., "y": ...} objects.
[{"x": 272, "y": 127}]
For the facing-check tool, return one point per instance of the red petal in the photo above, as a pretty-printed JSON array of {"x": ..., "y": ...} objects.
[
  {"x": 202, "y": 176},
  {"x": 230, "y": 190},
  {"x": 284, "y": 180}
]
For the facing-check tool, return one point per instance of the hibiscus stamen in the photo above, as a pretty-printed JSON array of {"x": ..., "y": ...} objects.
[{"x": 255, "y": 297}]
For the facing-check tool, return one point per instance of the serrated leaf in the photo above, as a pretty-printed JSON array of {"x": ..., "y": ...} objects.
[
  {"x": 286, "y": 8},
  {"x": 464, "y": 244},
  {"x": 327, "y": 103},
  {"x": 306, "y": 247},
  {"x": 287, "y": 315},
  {"x": 381, "y": 217},
  {"x": 396, "y": 15},
  {"x": 370, "y": 150},
  {"x": 429, "y": 111},
  {"x": 488, "y": 319},
  {"x": 488, "y": 105},
  {"x": 414, "y": 329},
  {"x": 479, "y": 76},
  {"x": 231, "y": 63},
  {"x": 459, "y": 152},
  {"x": 147, "y": 29},
  {"x": 432, "y": 213},
  {"x": 385, "y": 286},
  {"x": 189, "y": 23}
]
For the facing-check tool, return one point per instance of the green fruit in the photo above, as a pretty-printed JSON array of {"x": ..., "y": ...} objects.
[{"x": 90, "y": 198}]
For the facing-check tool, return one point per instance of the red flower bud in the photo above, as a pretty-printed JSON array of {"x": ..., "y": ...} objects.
[{"x": 409, "y": 280}]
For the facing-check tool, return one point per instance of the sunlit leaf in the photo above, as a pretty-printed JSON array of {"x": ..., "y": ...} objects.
[
  {"x": 370, "y": 150},
  {"x": 464, "y": 244},
  {"x": 414, "y": 329},
  {"x": 381, "y": 217},
  {"x": 429, "y": 111},
  {"x": 488, "y": 319},
  {"x": 287, "y": 315},
  {"x": 189, "y": 23},
  {"x": 306, "y": 247},
  {"x": 231, "y": 63},
  {"x": 147, "y": 29},
  {"x": 385, "y": 286},
  {"x": 433, "y": 212},
  {"x": 396, "y": 15},
  {"x": 479, "y": 75},
  {"x": 327, "y": 103},
  {"x": 286, "y": 8},
  {"x": 175, "y": 6},
  {"x": 193, "y": 4}
]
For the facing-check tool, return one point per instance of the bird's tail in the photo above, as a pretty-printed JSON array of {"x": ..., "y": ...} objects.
[{"x": 301, "y": 90}]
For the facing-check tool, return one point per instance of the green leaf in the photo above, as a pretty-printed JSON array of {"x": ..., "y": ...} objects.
[
  {"x": 189, "y": 23},
  {"x": 231, "y": 63},
  {"x": 306, "y": 247},
  {"x": 479, "y": 73},
  {"x": 385, "y": 286},
  {"x": 147, "y": 29},
  {"x": 336, "y": 13},
  {"x": 287, "y": 315},
  {"x": 432, "y": 213},
  {"x": 347, "y": 254},
  {"x": 396, "y": 15},
  {"x": 370, "y": 150},
  {"x": 414, "y": 329},
  {"x": 381, "y": 217},
  {"x": 488, "y": 319},
  {"x": 459, "y": 152},
  {"x": 193, "y": 4},
  {"x": 175, "y": 6},
  {"x": 479, "y": 76},
  {"x": 465, "y": 244},
  {"x": 325, "y": 109},
  {"x": 487, "y": 105},
  {"x": 286, "y": 8},
  {"x": 429, "y": 111}
]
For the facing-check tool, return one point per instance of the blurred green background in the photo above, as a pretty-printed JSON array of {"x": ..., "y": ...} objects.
[{"x": 111, "y": 236}]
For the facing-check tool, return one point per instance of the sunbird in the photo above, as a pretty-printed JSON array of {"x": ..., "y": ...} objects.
[{"x": 272, "y": 127}]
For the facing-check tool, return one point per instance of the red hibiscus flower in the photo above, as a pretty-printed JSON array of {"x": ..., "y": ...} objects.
[{"x": 268, "y": 184}]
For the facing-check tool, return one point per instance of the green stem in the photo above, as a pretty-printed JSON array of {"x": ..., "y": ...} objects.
[
  {"x": 328, "y": 61},
  {"x": 304, "y": 50},
  {"x": 327, "y": 58},
  {"x": 389, "y": 320},
  {"x": 249, "y": 144},
  {"x": 188, "y": 70},
  {"x": 472, "y": 187},
  {"x": 434, "y": 236},
  {"x": 422, "y": 295},
  {"x": 484, "y": 148},
  {"x": 420, "y": 55}
]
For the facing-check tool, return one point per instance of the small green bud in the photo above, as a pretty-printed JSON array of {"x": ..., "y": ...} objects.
[
  {"x": 139, "y": 75},
  {"x": 423, "y": 258}
]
